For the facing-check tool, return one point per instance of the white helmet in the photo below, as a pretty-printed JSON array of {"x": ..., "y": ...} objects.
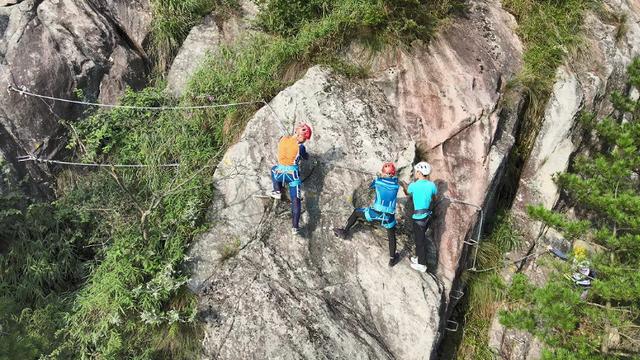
[{"x": 423, "y": 167}]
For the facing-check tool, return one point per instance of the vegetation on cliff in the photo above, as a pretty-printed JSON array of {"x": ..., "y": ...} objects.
[
  {"x": 98, "y": 273},
  {"x": 603, "y": 187},
  {"x": 551, "y": 32}
]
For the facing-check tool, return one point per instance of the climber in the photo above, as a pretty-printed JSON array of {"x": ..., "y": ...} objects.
[
  {"x": 423, "y": 192},
  {"x": 382, "y": 210},
  {"x": 290, "y": 150}
]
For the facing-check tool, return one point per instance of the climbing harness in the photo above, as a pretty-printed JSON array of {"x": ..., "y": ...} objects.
[{"x": 289, "y": 170}]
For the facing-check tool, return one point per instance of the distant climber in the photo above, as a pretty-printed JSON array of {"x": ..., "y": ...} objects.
[
  {"x": 291, "y": 150},
  {"x": 422, "y": 192},
  {"x": 383, "y": 209}
]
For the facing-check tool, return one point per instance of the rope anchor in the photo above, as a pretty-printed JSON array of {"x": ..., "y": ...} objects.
[{"x": 452, "y": 326}]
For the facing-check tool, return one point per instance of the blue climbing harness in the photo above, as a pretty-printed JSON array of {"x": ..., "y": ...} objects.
[
  {"x": 291, "y": 173},
  {"x": 384, "y": 206}
]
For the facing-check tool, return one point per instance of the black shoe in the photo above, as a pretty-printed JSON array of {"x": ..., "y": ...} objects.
[
  {"x": 394, "y": 260},
  {"x": 341, "y": 233}
]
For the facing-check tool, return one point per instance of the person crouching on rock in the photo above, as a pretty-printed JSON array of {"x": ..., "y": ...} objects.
[
  {"x": 290, "y": 150},
  {"x": 422, "y": 192},
  {"x": 382, "y": 210}
]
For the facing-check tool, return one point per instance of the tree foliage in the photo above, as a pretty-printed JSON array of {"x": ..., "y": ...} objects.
[{"x": 604, "y": 189}]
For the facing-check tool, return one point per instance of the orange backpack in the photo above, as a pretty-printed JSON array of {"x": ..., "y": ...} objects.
[{"x": 288, "y": 149}]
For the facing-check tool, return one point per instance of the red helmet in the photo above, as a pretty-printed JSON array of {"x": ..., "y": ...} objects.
[
  {"x": 388, "y": 168},
  {"x": 305, "y": 130}
]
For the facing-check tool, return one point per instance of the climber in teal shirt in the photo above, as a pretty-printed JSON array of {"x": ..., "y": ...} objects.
[{"x": 422, "y": 192}]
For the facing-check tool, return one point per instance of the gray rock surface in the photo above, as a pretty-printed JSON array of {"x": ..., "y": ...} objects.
[
  {"x": 206, "y": 39},
  {"x": 320, "y": 297},
  {"x": 313, "y": 296},
  {"x": 55, "y": 47},
  {"x": 580, "y": 85}
]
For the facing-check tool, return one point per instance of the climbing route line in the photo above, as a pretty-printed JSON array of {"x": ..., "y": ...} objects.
[
  {"x": 70, "y": 163},
  {"x": 24, "y": 92}
]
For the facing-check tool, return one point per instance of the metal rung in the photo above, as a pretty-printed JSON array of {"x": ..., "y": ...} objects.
[
  {"x": 452, "y": 326},
  {"x": 459, "y": 295},
  {"x": 471, "y": 242}
]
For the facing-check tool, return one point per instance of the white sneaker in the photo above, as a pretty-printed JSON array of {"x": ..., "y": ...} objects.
[
  {"x": 294, "y": 231},
  {"x": 418, "y": 267},
  {"x": 276, "y": 195},
  {"x": 414, "y": 259}
]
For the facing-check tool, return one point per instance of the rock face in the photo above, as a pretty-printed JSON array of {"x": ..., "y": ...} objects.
[
  {"x": 313, "y": 296},
  {"x": 448, "y": 96},
  {"x": 580, "y": 87},
  {"x": 207, "y": 38},
  {"x": 318, "y": 296},
  {"x": 55, "y": 47}
]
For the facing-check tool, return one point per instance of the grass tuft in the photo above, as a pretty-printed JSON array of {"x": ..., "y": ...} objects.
[
  {"x": 229, "y": 250},
  {"x": 172, "y": 21},
  {"x": 486, "y": 290},
  {"x": 551, "y": 31}
]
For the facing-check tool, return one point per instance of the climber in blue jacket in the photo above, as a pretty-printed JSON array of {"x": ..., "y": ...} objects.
[{"x": 383, "y": 209}]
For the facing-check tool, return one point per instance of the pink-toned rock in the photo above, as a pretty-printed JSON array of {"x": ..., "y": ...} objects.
[{"x": 448, "y": 95}]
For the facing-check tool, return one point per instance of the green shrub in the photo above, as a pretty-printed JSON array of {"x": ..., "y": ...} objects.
[
  {"x": 486, "y": 290},
  {"x": 551, "y": 31},
  {"x": 405, "y": 20}
]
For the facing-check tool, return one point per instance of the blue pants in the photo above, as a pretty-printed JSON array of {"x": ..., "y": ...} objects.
[{"x": 292, "y": 180}]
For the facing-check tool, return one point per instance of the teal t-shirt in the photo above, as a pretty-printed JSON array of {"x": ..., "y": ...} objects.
[{"x": 422, "y": 192}]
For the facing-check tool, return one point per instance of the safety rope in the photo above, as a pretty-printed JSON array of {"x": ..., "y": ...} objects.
[
  {"x": 279, "y": 122},
  {"x": 24, "y": 92},
  {"x": 68, "y": 163}
]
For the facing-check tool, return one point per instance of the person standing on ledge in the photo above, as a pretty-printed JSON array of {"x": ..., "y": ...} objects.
[
  {"x": 290, "y": 151},
  {"x": 382, "y": 210},
  {"x": 423, "y": 192}
]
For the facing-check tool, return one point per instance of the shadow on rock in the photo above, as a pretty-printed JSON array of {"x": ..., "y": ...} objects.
[{"x": 313, "y": 174}]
